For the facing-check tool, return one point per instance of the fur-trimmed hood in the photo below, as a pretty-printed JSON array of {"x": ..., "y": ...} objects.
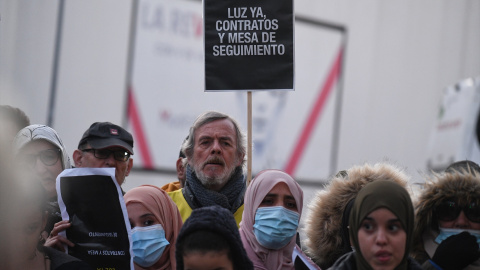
[
  {"x": 323, "y": 226},
  {"x": 462, "y": 187}
]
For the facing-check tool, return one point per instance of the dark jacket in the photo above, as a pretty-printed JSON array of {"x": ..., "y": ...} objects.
[{"x": 463, "y": 187}]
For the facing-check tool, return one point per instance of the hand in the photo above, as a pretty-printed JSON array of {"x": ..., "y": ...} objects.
[
  {"x": 57, "y": 241},
  {"x": 457, "y": 251}
]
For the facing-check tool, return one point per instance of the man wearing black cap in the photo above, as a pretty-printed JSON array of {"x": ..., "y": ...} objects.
[
  {"x": 102, "y": 145},
  {"x": 106, "y": 145}
]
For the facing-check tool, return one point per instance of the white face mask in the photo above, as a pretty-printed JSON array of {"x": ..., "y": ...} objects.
[{"x": 447, "y": 232}]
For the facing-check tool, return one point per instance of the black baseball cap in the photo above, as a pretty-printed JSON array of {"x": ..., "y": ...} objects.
[{"x": 105, "y": 134}]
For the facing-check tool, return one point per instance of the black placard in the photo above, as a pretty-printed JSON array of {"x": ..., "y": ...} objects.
[
  {"x": 249, "y": 45},
  {"x": 98, "y": 230}
]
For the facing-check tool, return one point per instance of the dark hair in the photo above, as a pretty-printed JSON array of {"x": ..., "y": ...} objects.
[
  {"x": 463, "y": 166},
  {"x": 204, "y": 241},
  {"x": 212, "y": 228}
]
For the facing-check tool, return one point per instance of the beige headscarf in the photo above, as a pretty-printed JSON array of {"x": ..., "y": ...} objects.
[{"x": 165, "y": 211}]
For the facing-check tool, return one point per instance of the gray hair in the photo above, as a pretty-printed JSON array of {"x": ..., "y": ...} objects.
[{"x": 206, "y": 118}]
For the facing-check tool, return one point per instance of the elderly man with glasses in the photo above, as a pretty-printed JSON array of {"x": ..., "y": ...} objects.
[
  {"x": 447, "y": 230},
  {"x": 106, "y": 145}
]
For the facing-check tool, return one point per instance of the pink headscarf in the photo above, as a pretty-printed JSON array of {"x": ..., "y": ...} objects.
[
  {"x": 165, "y": 211},
  {"x": 263, "y": 258}
]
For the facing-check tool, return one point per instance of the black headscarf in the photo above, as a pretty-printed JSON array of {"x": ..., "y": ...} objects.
[{"x": 382, "y": 194}]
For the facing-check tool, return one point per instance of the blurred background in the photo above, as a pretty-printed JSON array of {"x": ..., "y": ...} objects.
[{"x": 375, "y": 81}]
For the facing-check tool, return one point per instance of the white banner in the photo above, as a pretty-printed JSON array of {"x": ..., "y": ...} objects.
[{"x": 454, "y": 135}]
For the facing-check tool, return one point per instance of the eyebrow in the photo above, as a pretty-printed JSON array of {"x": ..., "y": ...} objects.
[
  {"x": 147, "y": 215},
  {"x": 271, "y": 195},
  {"x": 290, "y": 197},
  {"x": 226, "y": 138},
  {"x": 276, "y": 195},
  {"x": 222, "y": 138},
  {"x": 394, "y": 220}
]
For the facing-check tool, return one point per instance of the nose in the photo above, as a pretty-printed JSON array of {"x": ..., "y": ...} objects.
[
  {"x": 462, "y": 221},
  {"x": 381, "y": 237},
  {"x": 216, "y": 148},
  {"x": 110, "y": 161}
]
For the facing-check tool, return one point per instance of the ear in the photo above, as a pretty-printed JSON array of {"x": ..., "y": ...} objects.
[
  {"x": 129, "y": 166},
  {"x": 180, "y": 168},
  {"x": 77, "y": 158},
  {"x": 240, "y": 160}
]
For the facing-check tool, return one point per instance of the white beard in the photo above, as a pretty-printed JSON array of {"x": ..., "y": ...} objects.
[{"x": 218, "y": 180}]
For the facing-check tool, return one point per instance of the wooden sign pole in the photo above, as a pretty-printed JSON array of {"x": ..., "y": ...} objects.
[{"x": 249, "y": 137}]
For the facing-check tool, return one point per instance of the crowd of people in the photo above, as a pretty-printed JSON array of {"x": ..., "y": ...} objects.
[{"x": 366, "y": 217}]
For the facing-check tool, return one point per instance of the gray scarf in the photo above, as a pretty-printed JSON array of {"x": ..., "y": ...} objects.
[{"x": 229, "y": 197}]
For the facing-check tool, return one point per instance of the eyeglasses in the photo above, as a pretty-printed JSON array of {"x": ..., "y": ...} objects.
[
  {"x": 119, "y": 155},
  {"x": 449, "y": 211},
  {"x": 48, "y": 157}
]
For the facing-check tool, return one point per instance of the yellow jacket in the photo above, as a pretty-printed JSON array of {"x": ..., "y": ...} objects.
[{"x": 185, "y": 209}]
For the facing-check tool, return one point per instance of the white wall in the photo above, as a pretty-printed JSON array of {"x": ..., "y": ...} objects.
[{"x": 400, "y": 55}]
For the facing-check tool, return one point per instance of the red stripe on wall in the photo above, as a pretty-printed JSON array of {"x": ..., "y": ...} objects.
[
  {"x": 140, "y": 139},
  {"x": 314, "y": 115}
]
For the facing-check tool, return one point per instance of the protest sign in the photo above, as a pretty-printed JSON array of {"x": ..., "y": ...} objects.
[
  {"x": 91, "y": 199},
  {"x": 249, "y": 45}
]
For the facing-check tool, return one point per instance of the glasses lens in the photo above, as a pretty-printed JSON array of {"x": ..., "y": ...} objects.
[
  {"x": 447, "y": 211},
  {"x": 49, "y": 157},
  {"x": 473, "y": 212},
  {"x": 121, "y": 155},
  {"x": 101, "y": 153}
]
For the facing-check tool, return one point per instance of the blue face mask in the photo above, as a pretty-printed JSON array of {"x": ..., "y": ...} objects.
[
  {"x": 148, "y": 244},
  {"x": 275, "y": 226},
  {"x": 446, "y": 232}
]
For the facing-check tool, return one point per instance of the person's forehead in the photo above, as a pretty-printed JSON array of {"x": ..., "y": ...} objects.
[
  {"x": 38, "y": 145},
  {"x": 222, "y": 128},
  {"x": 281, "y": 188}
]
